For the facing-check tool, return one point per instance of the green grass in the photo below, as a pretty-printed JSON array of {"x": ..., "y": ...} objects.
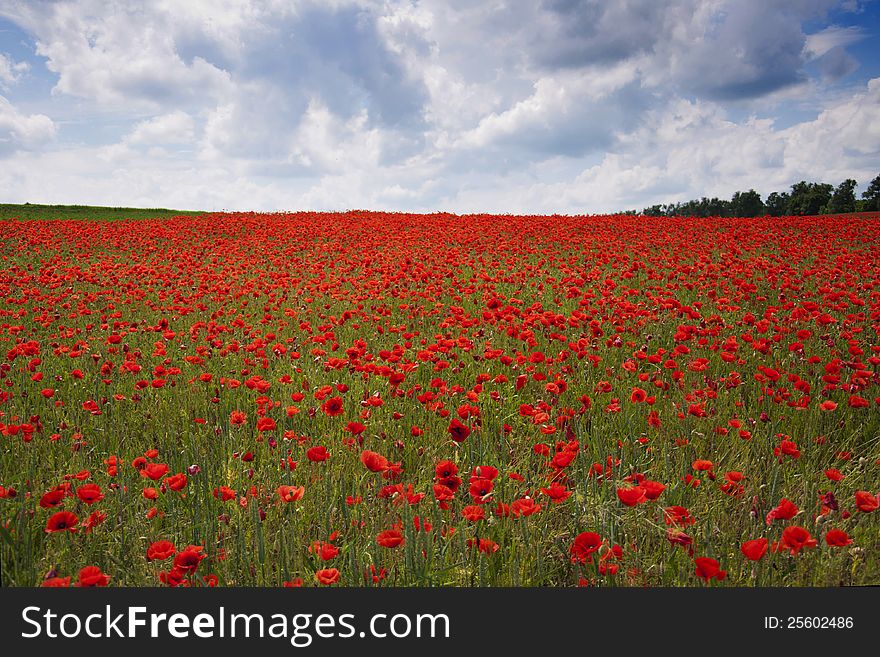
[{"x": 36, "y": 211}]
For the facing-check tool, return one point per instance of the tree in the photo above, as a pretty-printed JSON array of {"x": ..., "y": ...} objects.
[
  {"x": 872, "y": 195},
  {"x": 746, "y": 204},
  {"x": 844, "y": 198},
  {"x": 777, "y": 204},
  {"x": 809, "y": 198}
]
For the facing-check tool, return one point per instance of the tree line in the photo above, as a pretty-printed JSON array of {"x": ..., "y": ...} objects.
[{"x": 805, "y": 198}]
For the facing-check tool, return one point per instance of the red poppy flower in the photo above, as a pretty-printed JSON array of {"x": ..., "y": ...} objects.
[
  {"x": 374, "y": 462},
  {"x": 796, "y": 538},
  {"x": 317, "y": 454},
  {"x": 61, "y": 521},
  {"x": 188, "y": 559},
  {"x": 458, "y": 431},
  {"x": 291, "y": 493},
  {"x": 266, "y": 424},
  {"x": 837, "y": 538},
  {"x": 753, "y": 550},
  {"x": 557, "y": 492},
  {"x": 678, "y": 516},
  {"x": 92, "y": 576},
  {"x": 155, "y": 471},
  {"x": 785, "y": 510},
  {"x": 224, "y": 493},
  {"x": 55, "y": 582},
  {"x": 484, "y": 545},
  {"x": 834, "y": 474},
  {"x": 653, "y": 489},
  {"x": 866, "y": 502},
  {"x": 89, "y": 493},
  {"x": 52, "y": 498},
  {"x": 160, "y": 550},
  {"x": 523, "y": 507},
  {"x": 390, "y": 538},
  {"x": 176, "y": 482},
  {"x": 707, "y": 569},
  {"x": 480, "y": 490},
  {"x": 584, "y": 545},
  {"x": 327, "y": 576},
  {"x": 473, "y": 513},
  {"x": 631, "y": 496},
  {"x": 324, "y": 549},
  {"x": 332, "y": 406}
]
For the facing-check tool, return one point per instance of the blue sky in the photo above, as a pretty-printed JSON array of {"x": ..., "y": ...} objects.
[{"x": 567, "y": 106}]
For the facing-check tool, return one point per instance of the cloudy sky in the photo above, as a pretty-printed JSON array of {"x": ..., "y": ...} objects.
[{"x": 569, "y": 106}]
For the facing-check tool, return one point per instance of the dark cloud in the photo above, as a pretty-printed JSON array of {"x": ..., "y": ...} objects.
[
  {"x": 837, "y": 63},
  {"x": 578, "y": 33},
  {"x": 338, "y": 55}
]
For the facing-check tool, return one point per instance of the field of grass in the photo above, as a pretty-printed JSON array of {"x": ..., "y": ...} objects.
[
  {"x": 34, "y": 211},
  {"x": 433, "y": 400}
]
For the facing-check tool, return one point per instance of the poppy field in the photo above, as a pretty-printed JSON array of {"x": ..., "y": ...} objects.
[{"x": 374, "y": 399}]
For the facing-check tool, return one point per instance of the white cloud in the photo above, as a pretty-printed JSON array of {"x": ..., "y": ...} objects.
[
  {"x": 174, "y": 128},
  {"x": 833, "y": 36},
  {"x": 22, "y": 131},
  {"x": 10, "y": 71}
]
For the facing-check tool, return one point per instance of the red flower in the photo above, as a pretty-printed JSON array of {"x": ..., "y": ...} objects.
[
  {"x": 390, "y": 538},
  {"x": 92, "y": 576},
  {"x": 524, "y": 506},
  {"x": 317, "y": 454},
  {"x": 557, "y": 492},
  {"x": 480, "y": 490},
  {"x": 653, "y": 489},
  {"x": 785, "y": 510},
  {"x": 52, "y": 498},
  {"x": 325, "y": 550},
  {"x": 796, "y": 538},
  {"x": 327, "y": 576},
  {"x": 632, "y": 496},
  {"x": 833, "y": 474},
  {"x": 374, "y": 462},
  {"x": 224, "y": 493},
  {"x": 458, "y": 431},
  {"x": 56, "y": 582},
  {"x": 332, "y": 406},
  {"x": 266, "y": 424},
  {"x": 291, "y": 493},
  {"x": 473, "y": 513},
  {"x": 837, "y": 538},
  {"x": 63, "y": 520},
  {"x": 355, "y": 427},
  {"x": 678, "y": 516},
  {"x": 154, "y": 471},
  {"x": 484, "y": 545},
  {"x": 584, "y": 545},
  {"x": 866, "y": 502},
  {"x": 176, "y": 482},
  {"x": 709, "y": 568},
  {"x": 188, "y": 559},
  {"x": 160, "y": 550},
  {"x": 753, "y": 550}
]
